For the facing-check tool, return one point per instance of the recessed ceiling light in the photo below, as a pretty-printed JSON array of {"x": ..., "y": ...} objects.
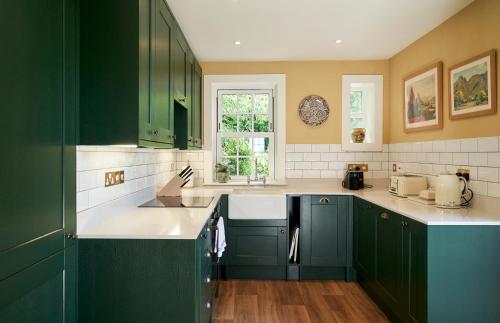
[
  {"x": 237, "y": 43},
  {"x": 338, "y": 41}
]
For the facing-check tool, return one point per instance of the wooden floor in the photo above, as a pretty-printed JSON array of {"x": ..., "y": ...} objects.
[{"x": 258, "y": 301}]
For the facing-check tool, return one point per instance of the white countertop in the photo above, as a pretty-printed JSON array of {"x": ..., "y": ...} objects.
[{"x": 186, "y": 223}]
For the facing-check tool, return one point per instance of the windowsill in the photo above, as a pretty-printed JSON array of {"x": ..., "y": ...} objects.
[{"x": 244, "y": 183}]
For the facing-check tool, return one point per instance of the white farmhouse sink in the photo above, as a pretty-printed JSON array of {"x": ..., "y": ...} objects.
[{"x": 257, "y": 206}]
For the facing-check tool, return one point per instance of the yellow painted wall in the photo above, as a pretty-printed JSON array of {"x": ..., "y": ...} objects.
[
  {"x": 472, "y": 31},
  {"x": 311, "y": 77}
]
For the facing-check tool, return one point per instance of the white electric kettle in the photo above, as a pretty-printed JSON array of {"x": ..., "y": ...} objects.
[{"x": 448, "y": 191}]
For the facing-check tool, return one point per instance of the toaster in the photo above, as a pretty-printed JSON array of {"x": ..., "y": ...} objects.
[{"x": 405, "y": 185}]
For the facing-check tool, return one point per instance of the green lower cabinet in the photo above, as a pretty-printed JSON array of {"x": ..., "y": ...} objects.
[
  {"x": 323, "y": 236},
  {"x": 126, "y": 280},
  {"x": 364, "y": 233},
  {"x": 35, "y": 294},
  {"x": 388, "y": 250},
  {"x": 414, "y": 271},
  {"x": 256, "y": 252}
]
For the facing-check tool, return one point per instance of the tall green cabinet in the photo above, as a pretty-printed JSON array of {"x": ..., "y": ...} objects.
[{"x": 37, "y": 203}]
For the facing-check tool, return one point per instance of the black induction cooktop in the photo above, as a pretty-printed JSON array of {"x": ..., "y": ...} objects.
[{"x": 179, "y": 201}]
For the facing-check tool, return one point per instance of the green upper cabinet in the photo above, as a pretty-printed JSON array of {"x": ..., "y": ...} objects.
[
  {"x": 195, "y": 118},
  {"x": 323, "y": 233},
  {"x": 180, "y": 55},
  {"x": 161, "y": 108},
  {"x": 134, "y": 66}
]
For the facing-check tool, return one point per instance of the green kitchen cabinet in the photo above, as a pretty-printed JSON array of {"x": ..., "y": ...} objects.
[
  {"x": 414, "y": 279},
  {"x": 388, "y": 263},
  {"x": 37, "y": 222},
  {"x": 364, "y": 233},
  {"x": 181, "y": 69},
  {"x": 194, "y": 137},
  {"x": 126, "y": 73},
  {"x": 256, "y": 252},
  {"x": 323, "y": 236},
  {"x": 150, "y": 280}
]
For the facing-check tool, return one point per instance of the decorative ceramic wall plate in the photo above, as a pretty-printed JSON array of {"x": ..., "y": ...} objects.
[{"x": 313, "y": 110}]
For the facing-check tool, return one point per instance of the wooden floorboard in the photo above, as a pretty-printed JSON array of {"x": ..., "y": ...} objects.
[{"x": 264, "y": 301}]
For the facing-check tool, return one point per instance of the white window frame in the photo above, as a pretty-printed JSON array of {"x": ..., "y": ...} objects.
[
  {"x": 376, "y": 117},
  {"x": 270, "y": 134},
  {"x": 211, "y": 85}
]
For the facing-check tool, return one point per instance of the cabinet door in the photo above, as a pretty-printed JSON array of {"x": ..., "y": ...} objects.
[
  {"x": 364, "y": 230},
  {"x": 180, "y": 59},
  {"x": 323, "y": 231},
  {"x": 389, "y": 258},
  {"x": 162, "y": 122},
  {"x": 32, "y": 91},
  {"x": 196, "y": 116},
  {"x": 35, "y": 294},
  {"x": 415, "y": 271},
  {"x": 257, "y": 246}
]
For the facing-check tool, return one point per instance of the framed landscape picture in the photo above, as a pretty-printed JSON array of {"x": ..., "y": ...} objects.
[
  {"x": 472, "y": 88},
  {"x": 423, "y": 99}
]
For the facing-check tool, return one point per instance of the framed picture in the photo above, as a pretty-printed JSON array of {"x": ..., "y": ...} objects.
[
  {"x": 473, "y": 87},
  {"x": 423, "y": 99}
]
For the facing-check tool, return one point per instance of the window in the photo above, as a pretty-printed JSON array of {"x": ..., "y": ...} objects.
[
  {"x": 362, "y": 112},
  {"x": 245, "y": 134}
]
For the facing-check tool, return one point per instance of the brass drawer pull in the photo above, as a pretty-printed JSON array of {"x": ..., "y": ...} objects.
[
  {"x": 384, "y": 216},
  {"x": 324, "y": 200}
]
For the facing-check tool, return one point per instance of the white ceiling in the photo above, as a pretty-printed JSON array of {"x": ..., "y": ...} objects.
[{"x": 307, "y": 29}]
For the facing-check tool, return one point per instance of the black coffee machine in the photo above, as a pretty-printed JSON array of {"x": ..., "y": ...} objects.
[{"x": 353, "y": 179}]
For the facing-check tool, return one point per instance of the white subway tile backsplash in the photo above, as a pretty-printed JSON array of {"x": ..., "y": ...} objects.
[
  {"x": 294, "y": 173},
  {"x": 295, "y": 157},
  {"x": 329, "y": 174},
  {"x": 302, "y": 165},
  {"x": 363, "y": 156},
  {"x": 320, "y": 148},
  {"x": 478, "y": 159},
  {"x": 494, "y": 159},
  {"x": 302, "y": 148},
  {"x": 290, "y": 148},
  {"x": 346, "y": 157},
  {"x": 290, "y": 165},
  {"x": 335, "y": 148},
  {"x": 487, "y": 174},
  {"x": 445, "y": 158},
  {"x": 380, "y": 156},
  {"x": 312, "y": 157},
  {"x": 494, "y": 189},
  {"x": 319, "y": 165},
  {"x": 329, "y": 156},
  {"x": 487, "y": 144},
  {"x": 468, "y": 145},
  {"x": 427, "y": 146},
  {"x": 337, "y": 165},
  {"x": 460, "y": 159},
  {"x": 432, "y": 158}
]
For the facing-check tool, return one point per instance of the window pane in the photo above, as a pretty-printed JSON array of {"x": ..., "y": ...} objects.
[
  {"x": 262, "y": 103},
  {"x": 356, "y": 101},
  {"x": 233, "y": 167},
  {"x": 261, "y": 145},
  {"x": 245, "y": 103},
  {"x": 245, "y": 123},
  {"x": 229, "y": 123},
  {"x": 229, "y": 103},
  {"x": 245, "y": 166},
  {"x": 357, "y": 123},
  {"x": 230, "y": 146},
  {"x": 245, "y": 146},
  {"x": 261, "y": 123},
  {"x": 262, "y": 165}
]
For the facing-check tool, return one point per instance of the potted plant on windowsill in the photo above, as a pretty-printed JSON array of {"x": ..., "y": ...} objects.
[{"x": 222, "y": 171}]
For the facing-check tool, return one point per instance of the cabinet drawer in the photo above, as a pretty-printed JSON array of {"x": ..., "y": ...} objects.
[{"x": 324, "y": 199}]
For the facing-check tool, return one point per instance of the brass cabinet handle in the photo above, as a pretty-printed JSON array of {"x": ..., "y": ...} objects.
[
  {"x": 384, "y": 216},
  {"x": 324, "y": 200}
]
